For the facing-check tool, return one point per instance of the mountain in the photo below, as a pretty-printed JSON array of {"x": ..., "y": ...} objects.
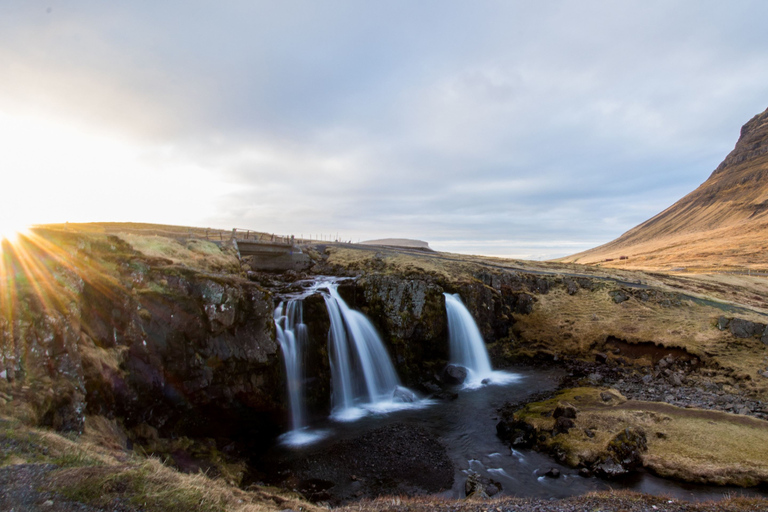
[{"x": 723, "y": 224}]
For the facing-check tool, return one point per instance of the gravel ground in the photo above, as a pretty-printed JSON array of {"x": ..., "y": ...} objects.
[
  {"x": 613, "y": 502},
  {"x": 671, "y": 382}
]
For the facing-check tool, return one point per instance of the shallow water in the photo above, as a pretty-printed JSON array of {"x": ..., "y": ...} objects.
[{"x": 467, "y": 427}]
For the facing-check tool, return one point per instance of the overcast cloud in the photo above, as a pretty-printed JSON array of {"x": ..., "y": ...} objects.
[{"x": 516, "y": 128}]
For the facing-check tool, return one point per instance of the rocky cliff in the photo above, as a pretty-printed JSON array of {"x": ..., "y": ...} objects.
[{"x": 92, "y": 326}]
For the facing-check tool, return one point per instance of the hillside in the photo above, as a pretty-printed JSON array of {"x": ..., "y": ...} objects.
[{"x": 722, "y": 225}]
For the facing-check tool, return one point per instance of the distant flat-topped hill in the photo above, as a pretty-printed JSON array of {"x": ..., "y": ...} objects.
[
  {"x": 400, "y": 242},
  {"x": 723, "y": 224}
]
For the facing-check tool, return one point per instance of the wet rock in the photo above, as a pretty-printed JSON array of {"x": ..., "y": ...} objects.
[
  {"x": 517, "y": 433},
  {"x": 722, "y": 323},
  {"x": 403, "y": 395},
  {"x": 610, "y": 469},
  {"x": 493, "y": 488},
  {"x": 585, "y": 473},
  {"x": 473, "y": 488},
  {"x": 454, "y": 375},
  {"x": 552, "y": 473},
  {"x": 601, "y": 358},
  {"x": 764, "y": 337},
  {"x": 485, "y": 382}
]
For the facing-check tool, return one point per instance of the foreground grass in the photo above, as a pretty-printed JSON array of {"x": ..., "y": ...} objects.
[
  {"x": 90, "y": 470},
  {"x": 693, "y": 445}
]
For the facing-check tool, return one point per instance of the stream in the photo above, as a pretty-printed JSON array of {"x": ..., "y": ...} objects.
[{"x": 466, "y": 427}]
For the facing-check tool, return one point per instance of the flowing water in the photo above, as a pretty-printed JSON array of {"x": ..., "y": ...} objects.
[
  {"x": 468, "y": 347},
  {"x": 292, "y": 336},
  {"x": 366, "y": 389},
  {"x": 363, "y": 379},
  {"x": 362, "y": 376},
  {"x": 466, "y": 426}
]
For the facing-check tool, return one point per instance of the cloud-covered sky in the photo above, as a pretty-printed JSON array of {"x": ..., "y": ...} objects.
[{"x": 515, "y": 128}]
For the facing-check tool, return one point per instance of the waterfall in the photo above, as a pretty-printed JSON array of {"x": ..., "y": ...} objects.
[
  {"x": 362, "y": 374},
  {"x": 293, "y": 339},
  {"x": 292, "y": 336},
  {"x": 467, "y": 346}
]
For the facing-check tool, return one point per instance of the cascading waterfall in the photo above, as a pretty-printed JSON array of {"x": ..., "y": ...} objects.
[
  {"x": 362, "y": 374},
  {"x": 293, "y": 339},
  {"x": 467, "y": 346},
  {"x": 292, "y": 336}
]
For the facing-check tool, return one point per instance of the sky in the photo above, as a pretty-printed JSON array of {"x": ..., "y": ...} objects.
[{"x": 526, "y": 129}]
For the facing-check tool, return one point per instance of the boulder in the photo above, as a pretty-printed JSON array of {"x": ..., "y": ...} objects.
[
  {"x": 745, "y": 329},
  {"x": 454, "y": 375},
  {"x": 563, "y": 425},
  {"x": 403, "y": 395},
  {"x": 624, "y": 453},
  {"x": 474, "y": 488}
]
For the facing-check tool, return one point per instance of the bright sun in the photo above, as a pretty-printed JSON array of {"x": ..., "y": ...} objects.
[{"x": 11, "y": 230}]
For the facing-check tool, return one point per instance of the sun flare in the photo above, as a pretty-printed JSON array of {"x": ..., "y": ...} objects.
[{"x": 10, "y": 231}]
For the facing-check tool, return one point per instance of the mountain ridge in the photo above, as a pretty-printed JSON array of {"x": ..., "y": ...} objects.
[{"x": 722, "y": 223}]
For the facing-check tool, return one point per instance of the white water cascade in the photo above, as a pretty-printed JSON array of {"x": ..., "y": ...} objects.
[
  {"x": 292, "y": 336},
  {"x": 362, "y": 374},
  {"x": 468, "y": 348},
  {"x": 293, "y": 339}
]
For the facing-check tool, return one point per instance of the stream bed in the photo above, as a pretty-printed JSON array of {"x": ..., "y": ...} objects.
[{"x": 372, "y": 455}]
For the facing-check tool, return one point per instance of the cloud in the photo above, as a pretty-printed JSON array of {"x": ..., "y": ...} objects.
[{"x": 492, "y": 127}]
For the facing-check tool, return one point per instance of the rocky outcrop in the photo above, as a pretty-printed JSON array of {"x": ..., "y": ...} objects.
[
  {"x": 624, "y": 453},
  {"x": 752, "y": 143},
  {"x": 105, "y": 330}
]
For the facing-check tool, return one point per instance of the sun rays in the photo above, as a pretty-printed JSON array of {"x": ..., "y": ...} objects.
[{"x": 45, "y": 269}]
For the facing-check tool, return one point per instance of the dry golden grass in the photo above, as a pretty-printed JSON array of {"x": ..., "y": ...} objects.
[
  {"x": 688, "y": 444},
  {"x": 197, "y": 254},
  {"x": 154, "y": 487},
  {"x": 95, "y": 469}
]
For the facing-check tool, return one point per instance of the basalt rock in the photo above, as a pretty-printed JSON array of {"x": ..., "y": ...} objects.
[
  {"x": 745, "y": 329},
  {"x": 454, "y": 375},
  {"x": 517, "y": 433}
]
